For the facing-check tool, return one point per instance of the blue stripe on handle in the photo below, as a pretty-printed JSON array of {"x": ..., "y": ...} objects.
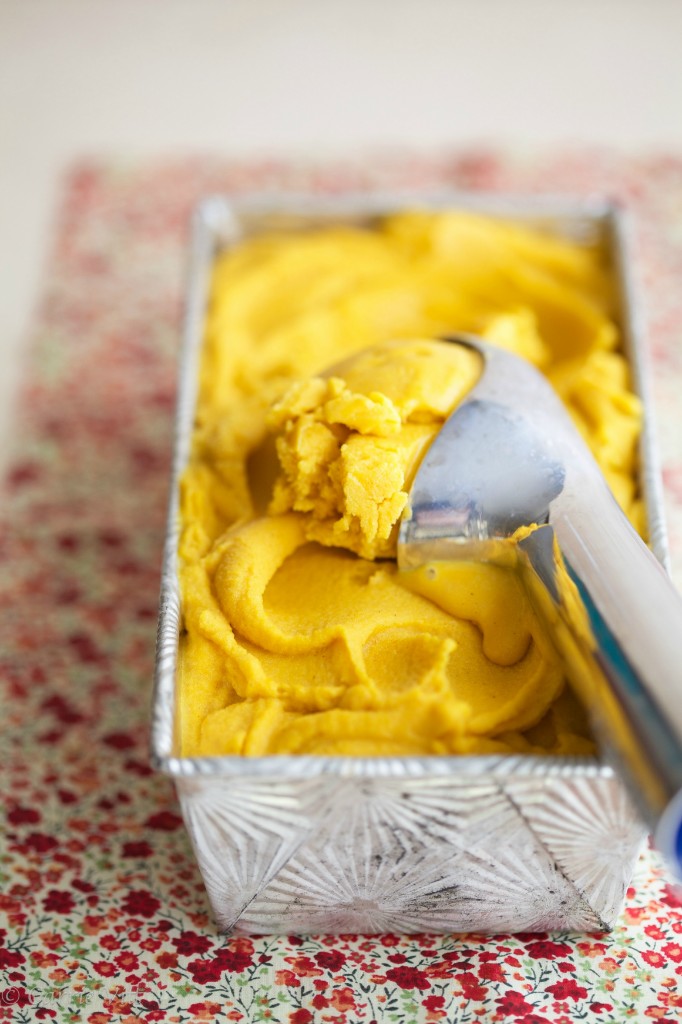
[{"x": 650, "y": 721}]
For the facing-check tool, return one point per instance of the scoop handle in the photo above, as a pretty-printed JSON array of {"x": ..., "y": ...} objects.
[{"x": 635, "y": 617}]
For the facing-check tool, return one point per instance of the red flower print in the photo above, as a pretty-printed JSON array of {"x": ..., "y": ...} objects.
[
  {"x": 397, "y": 958},
  {"x": 546, "y": 949},
  {"x": 491, "y": 972},
  {"x": 136, "y": 850},
  {"x": 111, "y": 537},
  {"x": 52, "y": 940},
  {"x": 118, "y": 1006},
  {"x": 601, "y": 1007},
  {"x": 514, "y": 1005},
  {"x": 205, "y": 1011},
  {"x": 44, "y": 1013},
  {"x": 242, "y": 944},
  {"x": 127, "y": 961},
  {"x": 566, "y": 967},
  {"x": 83, "y": 886},
  {"x": 161, "y": 926},
  {"x": 342, "y": 999},
  {"x": 591, "y": 948},
  {"x": 653, "y": 931},
  {"x": 673, "y": 951},
  {"x": 470, "y": 986},
  {"x": 303, "y": 966},
  {"x": 203, "y": 971},
  {"x": 105, "y": 969},
  {"x": 140, "y": 903},
  {"x": 455, "y": 960},
  {"x": 434, "y": 1003},
  {"x": 568, "y": 989},
  {"x": 408, "y": 977},
  {"x": 60, "y": 902},
  {"x": 441, "y": 969},
  {"x": 40, "y": 843},
  {"x": 320, "y": 1001},
  {"x": 653, "y": 959},
  {"x": 332, "y": 960},
  {"x": 149, "y": 1004},
  {"x": 232, "y": 960},
  {"x": 301, "y": 1016},
  {"x": 23, "y": 473},
  {"x": 287, "y": 978},
  {"x": 138, "y": 768},
  {"x": 109, "y": 942},
  {"x": 166, "y": 960},
  {"x": 66, "y": 859},
  {"x": 65, "y": 715},
  {"x": 189, "y": 943},
  {"x": 15, "y": 996},
  {"x": 40, "y": 959},
  {"x": 11, "y": 958},
  {"x": 119, "y": 740},
  {"x": 86, "y": 651},
  {"x": 164, "y": 821},
  {"x": 23, "y": 816}
]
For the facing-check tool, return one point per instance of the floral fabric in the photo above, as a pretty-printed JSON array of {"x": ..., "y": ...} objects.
[{"x": 102, "y": 914}]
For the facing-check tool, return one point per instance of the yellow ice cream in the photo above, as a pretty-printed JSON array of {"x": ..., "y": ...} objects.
[
  {"x": 349, "y": 443},
  {"x": 316, "y": 403}
]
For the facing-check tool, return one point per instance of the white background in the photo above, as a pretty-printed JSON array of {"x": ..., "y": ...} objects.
[{"x": 310, "y": 77}]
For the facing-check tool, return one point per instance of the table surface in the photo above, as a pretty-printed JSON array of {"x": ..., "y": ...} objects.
[{"x": 270, "y": 76}]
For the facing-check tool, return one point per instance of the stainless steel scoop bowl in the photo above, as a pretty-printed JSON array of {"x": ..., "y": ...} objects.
[{"x": 509, "y": 456}]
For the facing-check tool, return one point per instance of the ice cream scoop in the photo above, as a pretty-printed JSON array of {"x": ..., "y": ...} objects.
[{"x": 509, "y": 478}]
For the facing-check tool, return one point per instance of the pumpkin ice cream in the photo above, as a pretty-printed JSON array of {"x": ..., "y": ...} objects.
[
  {"x": 349, "y": 443},
  {"x": 321, "y": 386}
]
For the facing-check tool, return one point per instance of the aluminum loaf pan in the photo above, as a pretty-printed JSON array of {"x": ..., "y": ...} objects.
[{"x": 311, "y": 844}]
